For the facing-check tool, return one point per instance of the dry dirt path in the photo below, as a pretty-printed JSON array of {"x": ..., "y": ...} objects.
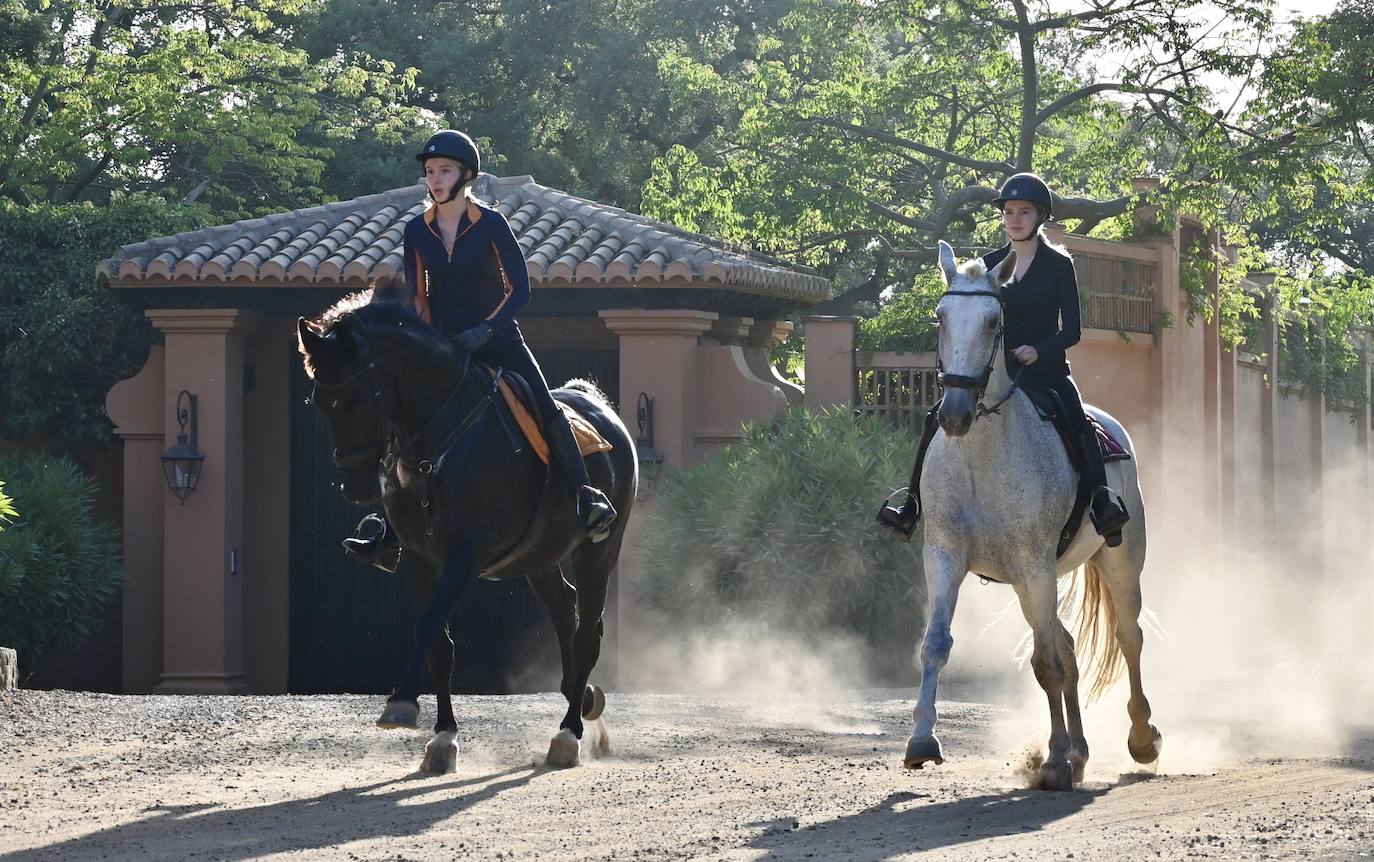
[{"x": 86, "y": 776}]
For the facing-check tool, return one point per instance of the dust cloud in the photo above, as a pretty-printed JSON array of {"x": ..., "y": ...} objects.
[{"x": 1256, "y": 645}]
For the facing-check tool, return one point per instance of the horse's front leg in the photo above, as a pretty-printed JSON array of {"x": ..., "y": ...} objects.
[
  {"x": 1078, "y": 742},
  {"x": 1039, "y": 603},
  {"x": 402, "y": 707},
  {"x": 945, "y": 571},
  {"x": 441, "y": 753}
]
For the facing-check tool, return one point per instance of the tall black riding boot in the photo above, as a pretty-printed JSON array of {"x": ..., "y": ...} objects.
[
  {"x": 902, "y": 519},
  {"x": 374, "y": 542},
  {"x": 593, "y": 508},
  {"x": 1107, "y": 510}
]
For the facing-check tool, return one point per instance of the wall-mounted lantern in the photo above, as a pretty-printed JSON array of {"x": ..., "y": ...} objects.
[
  {"x": 181, "y": 463},
  {"x": 650, "y": 459}
]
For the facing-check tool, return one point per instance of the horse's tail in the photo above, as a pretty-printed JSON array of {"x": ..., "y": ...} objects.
[{"x": 1100, "y": 660}]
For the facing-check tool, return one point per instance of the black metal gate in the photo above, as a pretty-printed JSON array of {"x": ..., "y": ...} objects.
[{"x": 351, "y": 625}]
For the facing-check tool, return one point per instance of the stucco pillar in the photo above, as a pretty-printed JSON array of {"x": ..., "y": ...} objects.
[
  {"x": 136, "y": 408},
  {"x": 658, "y": 356},
  {"x": 1269, "y": 407},
  {"x": 202, "y": 649},
  {"x": 1211, "y": 393},
  {"x": 1177, "y": 393},
  {"x": 830, "y": 362}
]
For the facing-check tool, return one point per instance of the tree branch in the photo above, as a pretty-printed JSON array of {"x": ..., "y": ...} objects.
[{"x": 934, "y": 152}]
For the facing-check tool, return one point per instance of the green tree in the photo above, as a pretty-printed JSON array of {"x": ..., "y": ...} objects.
[
  {"x": 63, "y": 340},
  {"x": 202, "y": 100},
  {"x": 869, "y": 130},
  {"x": 572, "y": 93}
]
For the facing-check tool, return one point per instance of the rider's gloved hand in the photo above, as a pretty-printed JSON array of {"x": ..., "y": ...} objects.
[{"x": 472, "y": 340}]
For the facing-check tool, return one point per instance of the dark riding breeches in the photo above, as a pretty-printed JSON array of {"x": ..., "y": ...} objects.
[
  {"x": 516, "y": 356},
  {"x": 1068, "y": 393}
]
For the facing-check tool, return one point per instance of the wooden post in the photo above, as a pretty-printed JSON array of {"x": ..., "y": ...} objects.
[{"x": 9, "y": 669}]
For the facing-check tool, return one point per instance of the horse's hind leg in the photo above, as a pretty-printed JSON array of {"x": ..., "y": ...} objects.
[
  {"x": 592, "y": 566},
  {"x": 1121, "y": 568},
  {"x": 945, "y": 571},
  {"x": 1040, "y": 605},
  {"x": 560, "y": 597}
]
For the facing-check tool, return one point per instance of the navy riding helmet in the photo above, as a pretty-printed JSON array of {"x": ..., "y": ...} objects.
[
  {"x": 452, "y": 144},
  {"x": 1026, "y": 187}
]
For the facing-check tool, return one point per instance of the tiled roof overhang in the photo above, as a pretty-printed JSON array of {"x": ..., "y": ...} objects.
[{"x": 568, "y": 243}]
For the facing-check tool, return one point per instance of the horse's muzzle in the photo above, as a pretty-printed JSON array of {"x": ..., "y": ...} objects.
[{"x": 956, "y": 412}]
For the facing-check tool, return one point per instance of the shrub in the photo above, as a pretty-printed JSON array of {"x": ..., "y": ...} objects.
[
  {"x": 779, "y": 529},
  {"x": 64, "y": 338},
  {"x": 58, "y": 566}
]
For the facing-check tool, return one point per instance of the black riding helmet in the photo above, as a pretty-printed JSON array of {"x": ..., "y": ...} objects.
[
  {"x": 452, "y": 144},
  {"x": 1026, "y": 187}
]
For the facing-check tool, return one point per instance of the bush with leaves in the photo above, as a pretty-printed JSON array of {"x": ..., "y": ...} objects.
[
  {"x": 64, "y": 338},
  {"x": 59, "y": 567},
  {"x": 779, "y": 530}
]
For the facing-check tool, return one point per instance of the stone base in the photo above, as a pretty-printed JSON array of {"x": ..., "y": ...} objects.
[
  {"x": 9, "y": 669},
  {"x": 206, "y": 683}
]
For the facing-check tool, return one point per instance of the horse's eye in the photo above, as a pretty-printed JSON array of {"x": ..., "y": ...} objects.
[{"x": 992, "y": 323}]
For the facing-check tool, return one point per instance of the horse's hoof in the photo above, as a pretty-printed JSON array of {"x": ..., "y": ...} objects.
[
  {"x": 1149, "y": 752},
  {"x": 400, "y": 714},
  {"x": 1056, "y": 776},
  {"x": 593, "y": 702},
  {"x": 565, "y": 750},
  {"x": 921, "y": 750},
  {"x": 441, "y": 754}
]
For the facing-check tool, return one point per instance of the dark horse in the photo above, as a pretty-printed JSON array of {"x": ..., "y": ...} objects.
[{"x": 419, "y": 426}]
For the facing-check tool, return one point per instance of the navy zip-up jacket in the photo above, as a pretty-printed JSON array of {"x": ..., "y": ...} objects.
[
  {"x": 482, "y": 279},
  {"x": 1041, "y": 310}
]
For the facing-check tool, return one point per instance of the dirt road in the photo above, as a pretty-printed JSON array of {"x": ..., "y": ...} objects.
[{"x": 86, "y": 776}]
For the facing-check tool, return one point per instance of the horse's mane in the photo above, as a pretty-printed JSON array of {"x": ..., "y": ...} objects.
[{"x": 382, "y": 307}]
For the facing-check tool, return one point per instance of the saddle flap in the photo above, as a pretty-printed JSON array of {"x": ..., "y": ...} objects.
[{"x": 589, "y": 440}]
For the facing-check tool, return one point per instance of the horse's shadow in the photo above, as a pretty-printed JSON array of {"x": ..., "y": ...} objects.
[
  {"x": 386, "y": 808},
  {"x": 900, "y": 824}
]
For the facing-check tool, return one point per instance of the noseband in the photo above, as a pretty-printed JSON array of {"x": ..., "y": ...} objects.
[{"x": 978, "y": 385}]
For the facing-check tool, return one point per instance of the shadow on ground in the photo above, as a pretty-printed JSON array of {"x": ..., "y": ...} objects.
[{"x": 404, "y": 807}]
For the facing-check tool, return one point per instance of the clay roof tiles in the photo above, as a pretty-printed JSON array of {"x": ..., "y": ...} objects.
[{"x": 565, "y": 239}]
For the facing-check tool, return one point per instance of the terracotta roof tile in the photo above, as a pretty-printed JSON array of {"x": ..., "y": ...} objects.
[{"x": 564, "y": 238}]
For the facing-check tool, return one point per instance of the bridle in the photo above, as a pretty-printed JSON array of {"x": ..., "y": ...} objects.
[
  {"x": 386, "y": 431},
  {"x": 978, "y": 385},
  {"x": 373, "y": 450}
]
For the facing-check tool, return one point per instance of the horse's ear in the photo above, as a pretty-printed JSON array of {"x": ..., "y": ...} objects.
[
  {"x": 947, "y": 263},
  {"x": 308, "y": 337},
  {"x": 1002, "y": 273}
]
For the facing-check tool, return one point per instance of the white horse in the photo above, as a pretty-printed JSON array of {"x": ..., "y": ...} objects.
[{"x": 998, "y": 491}]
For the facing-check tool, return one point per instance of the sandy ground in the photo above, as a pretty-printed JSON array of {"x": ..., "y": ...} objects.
[{"x": 85, "y": 776}]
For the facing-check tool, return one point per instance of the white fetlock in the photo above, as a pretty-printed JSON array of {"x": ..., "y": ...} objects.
[
  {"x": 565, "y": 750},
  {"x": 441, "y": 754}
]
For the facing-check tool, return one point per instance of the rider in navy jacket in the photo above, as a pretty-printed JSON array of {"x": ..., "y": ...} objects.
[
  {"x": 1041, "y": 321},
  {"x": 482, "y": 280},
  {"x": 468, "y": 279}
]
